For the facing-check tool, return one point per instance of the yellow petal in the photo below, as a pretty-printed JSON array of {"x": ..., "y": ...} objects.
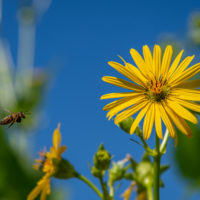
[
  {"x": 175, "y": 64},
  {"x": 148, "y": 61},
  {"x": 182, "y": 112},
  {"x": 179, "y": 122},
  {"x": 124, "y": 105},
  {"x": 190, "y": 84},
  {"x": 167, "y": 121},
  {"x": 139, "y": 118},
  {"x": 157, "y": 61},
  {"x": 186, "y": 94},
  {"x": 139, "y": 62},
  {"x": 119, "y": 95},
  {"x": 129, "y": 112},
  {"x": 35, "y": 192},
  {"x": 56, "y": 137},
  {"x": 186, "y": 75},
  {"x": 158, "y": 123},
  {"x": 139, "y": 78},
  {"x": 187, "y": 104},
  {"x": 121, "y": 83},
  {"x": 167, "y": 57},
  {"x": 147, "y": 57},
  {"x": 45, "y": 191},
  {"x": 184, "y": 64},
  {"x": 116, "y": 103},
  {"x": 148, "y": 122},
  {"x": 121, "y": 69}
]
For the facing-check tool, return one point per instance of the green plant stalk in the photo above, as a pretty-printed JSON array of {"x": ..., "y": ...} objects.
[
  {"x": 90, "y": 184},
  {"x": 104, "y": 189},
  {"x": 149, "y": 193},
  {"x": 157, "y": 170},
  {"x": 112, "y": 192}
]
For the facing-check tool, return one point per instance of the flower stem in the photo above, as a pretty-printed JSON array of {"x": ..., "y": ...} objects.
[
  {"x": 157, "y": 169},
  {"x": 149, "y": 193},
  {"x": 104, "y": 189},
  {"x": 90, "y": 184}
]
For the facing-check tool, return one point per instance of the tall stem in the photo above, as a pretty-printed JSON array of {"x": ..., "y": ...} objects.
[
  {"x": 104, "y": 189},
  {"x": 157, "y": 170},
  {"x": 90, "y": 184},
  {"x": 149, "y": 193}
]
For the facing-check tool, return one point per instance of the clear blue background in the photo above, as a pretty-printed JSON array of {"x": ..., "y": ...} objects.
[{"x": 78, "y": 38}]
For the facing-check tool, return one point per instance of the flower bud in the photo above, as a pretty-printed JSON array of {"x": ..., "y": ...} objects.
[
  {"x": 96, "y": 172},
  {"x": 126, "y": 124},
  {"x": 102, "y": 159},
  {"x": 144, "y": 173},
  {"x": 117, "y": 172},
  {"x": 63, "y": 169}
]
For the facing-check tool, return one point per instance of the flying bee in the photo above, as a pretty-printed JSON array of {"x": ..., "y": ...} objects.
[{"x": 13, "y": 118}]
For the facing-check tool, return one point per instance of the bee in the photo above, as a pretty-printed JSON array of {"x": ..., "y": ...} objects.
[{"x": 13, "y": 118}]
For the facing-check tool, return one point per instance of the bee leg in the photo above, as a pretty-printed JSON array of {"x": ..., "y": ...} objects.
[{"x": 11, "y": 124}]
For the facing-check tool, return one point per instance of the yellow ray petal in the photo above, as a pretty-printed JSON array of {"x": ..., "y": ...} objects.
[
  {"x": 179, "y": 122},
  {"x": 139, "y": 62},
  {"x": 113, "y": 104},
  {"x": 139, "y": 118},
  {"x": 186, "y": 94},
  {"x": 158, "y": 123},
  {"x": 156, "y": 61},
  {"x": 147, "y": 56},
  {"x": 175, "y": 64},
  {"x": 121, "y": 69},
  {"x": 124, "y": 105},
  {"x": 190, "y": 84},
  {"x": 187, "y": 104},
  {"x": 182, "y": 112},
  {"x": 148, "y": 60},
  {"x": 119, "y": 95},
  {"x": 167, "y": 121},
  {"x": 35, "y": 192},
  {"x": 167, "y": 57},
  {"x": 186, "y": 75},
  {"x": 148, "y": 122},
  {"x": 130, "y": 111},
  {"x": 184, "y": 64},
  {"x": 121, "y": 83},
  {"x": 139, "y": 78},
  {"x": 57, "y": 137}
]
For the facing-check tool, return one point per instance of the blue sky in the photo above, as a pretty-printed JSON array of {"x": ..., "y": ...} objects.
[{"x": 78, "y": 38}]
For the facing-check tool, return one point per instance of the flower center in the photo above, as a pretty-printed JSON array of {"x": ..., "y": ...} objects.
[{"x": 157, "y": 90}]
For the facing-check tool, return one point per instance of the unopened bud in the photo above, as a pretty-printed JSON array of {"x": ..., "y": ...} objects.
[
  {"x": 117, "y": 171},
  {"x": 144, "y": 173},
  {"x": 102, "y": 159}
]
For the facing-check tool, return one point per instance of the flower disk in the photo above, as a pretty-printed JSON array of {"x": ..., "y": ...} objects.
[{"x": 161, "y": 90}]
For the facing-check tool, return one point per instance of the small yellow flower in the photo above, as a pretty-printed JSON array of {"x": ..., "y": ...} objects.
[
  {"x": 46, "y": 164},
  {"x": 160, "y": 91},
  {"x": 127, "y": 193}
]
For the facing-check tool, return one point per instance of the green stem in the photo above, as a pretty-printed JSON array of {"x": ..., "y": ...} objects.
[
  {"x": 149, "y": 193},
  {"x": 112, "y": 191},
  {"x": 104, "y": 189},
  {"x": 164, "y": 142},
  {"x": 157, "y": 170},
  {"x": 90, "y": 184}
]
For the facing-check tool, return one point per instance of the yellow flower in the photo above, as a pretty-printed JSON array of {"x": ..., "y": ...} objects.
[
  {"x": 46, "y": 164},
  {"x": 160, "y": 91},
  {"x": 127, "y": 194}
]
